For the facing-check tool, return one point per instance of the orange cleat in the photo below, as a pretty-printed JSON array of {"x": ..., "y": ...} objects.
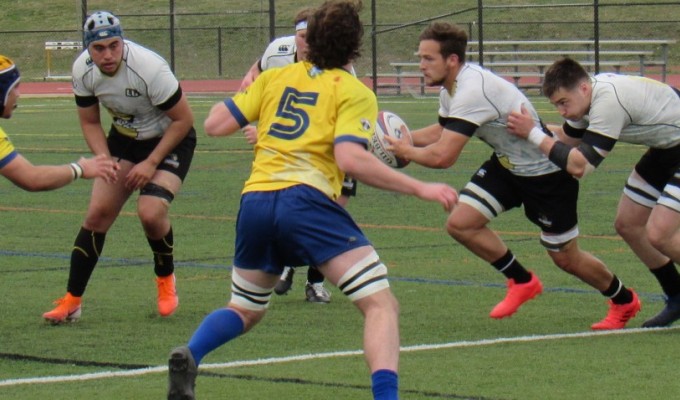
[
  {"x": 167, "y": 295},
  {"x": 67, "y": 310},
  {"x": 518, "y": 294},
  {"x": 619, "y": 314}
]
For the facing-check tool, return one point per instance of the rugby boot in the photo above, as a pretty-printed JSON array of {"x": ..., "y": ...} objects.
[
  {"x": 619, "y": 314},
  {"x": 286, "y": 282},
  {"x": 167, "y": 295},
  {"x": 518, "y": 294},
  {"x": 667, "y": 316},
  {"x": 182, "y": 373},
  {"x": 316, "y": 293},
  {"x": 67, "y": 310}
]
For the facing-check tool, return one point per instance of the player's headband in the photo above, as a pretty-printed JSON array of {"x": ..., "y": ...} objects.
[{"x": 301, "y": 25}]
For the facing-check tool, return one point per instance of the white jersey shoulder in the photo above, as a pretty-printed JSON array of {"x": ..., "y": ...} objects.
[
  {"x": 634, "y": 109},
  {"x": 279, "y": 53},
  {"x": 485, "y": 99},
  {"x": 143, "y": 82}
]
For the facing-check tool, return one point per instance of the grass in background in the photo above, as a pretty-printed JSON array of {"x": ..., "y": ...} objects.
[{"x": 444, "y": 291}]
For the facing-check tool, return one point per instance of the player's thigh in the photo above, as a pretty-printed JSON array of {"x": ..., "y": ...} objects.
[
  {"x": 663, "y": 222},
  {"x": 491, "y": 191},
  {"x": 338, "y": 266},
  {"x": 107, "y": 199}
]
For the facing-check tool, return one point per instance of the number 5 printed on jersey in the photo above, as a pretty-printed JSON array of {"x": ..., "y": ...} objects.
[{"x": 298, "y": 117}]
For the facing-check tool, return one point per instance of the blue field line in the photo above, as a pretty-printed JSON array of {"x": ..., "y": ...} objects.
[
  {"x": 106, "y": 260},
  {"x": 125, "y": 262}
]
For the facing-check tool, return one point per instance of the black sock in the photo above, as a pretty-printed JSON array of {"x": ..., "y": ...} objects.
[
  {"x": 618, "y": 293},
  {"x": 314, "y": 276},
  {"x": 668, "y": 278},
  {"x": 511, "y": 268},
  {"x": 162, "y": 254},
  {"x": 84, "y": 256}
]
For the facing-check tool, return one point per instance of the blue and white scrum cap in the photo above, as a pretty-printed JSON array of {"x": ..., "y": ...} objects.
[
  {"x": 9, "y": 78},
  {"x": 101, "y": 25}
]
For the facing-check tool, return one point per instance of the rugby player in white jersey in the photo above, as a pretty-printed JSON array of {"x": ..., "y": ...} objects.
[
  {"x": 151, "y": 136},
  {"x": 475, "y": 102},
  {"x": 599, "y": 111}
]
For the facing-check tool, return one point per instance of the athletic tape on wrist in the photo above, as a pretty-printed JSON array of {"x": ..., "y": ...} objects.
[
  {"x": 77, "y": 170},
  {"x": 536, "y": 136}
]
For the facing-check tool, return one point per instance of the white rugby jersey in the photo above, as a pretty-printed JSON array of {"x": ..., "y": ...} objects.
[
  {"x": 633, "y": 109},
  {"x": 484, "y": 99},
  {"x": 143, "y": 81},
  {"x": 279, "y": 53}
]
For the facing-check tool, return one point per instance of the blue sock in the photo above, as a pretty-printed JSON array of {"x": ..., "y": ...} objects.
[
  {"x": 217, "y": 328},
  {"x": 385, "y": 385}
]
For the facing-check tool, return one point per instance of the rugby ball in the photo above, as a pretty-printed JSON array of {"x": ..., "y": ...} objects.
[{"x": 389, "y": 124}]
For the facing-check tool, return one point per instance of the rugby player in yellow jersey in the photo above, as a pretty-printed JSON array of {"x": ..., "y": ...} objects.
[
  {"x": 21, "y": 171},
  {"x": 315, "y": 123}
]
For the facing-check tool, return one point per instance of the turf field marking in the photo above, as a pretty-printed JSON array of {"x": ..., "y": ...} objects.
[{"x": 337, "y": 354}]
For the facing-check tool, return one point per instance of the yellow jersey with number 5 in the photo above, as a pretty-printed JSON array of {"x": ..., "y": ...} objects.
[{"x": 302, "y": 112}]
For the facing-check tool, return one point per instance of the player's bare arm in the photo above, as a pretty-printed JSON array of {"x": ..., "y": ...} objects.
[
  {"x": 441, "y": 154},
  {"x": 250, "y": 76},
  {"x": 426, "y": 136},
  {"x": 366, "y": 168},
  {"x": 564, "y": 155},
  {"x": 94, "y": 134},
  {"x": 33, "y": 178},
  {"x": 220, "y": 121}
]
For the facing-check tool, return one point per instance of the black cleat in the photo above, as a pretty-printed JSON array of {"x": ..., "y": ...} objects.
[
  {"x": 667, "y": 316},
  {"x": 182, "y": 373},
  {"x": 286, "y": 282}
]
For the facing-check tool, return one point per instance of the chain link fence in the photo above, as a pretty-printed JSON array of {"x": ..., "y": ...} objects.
[{"x": 210, "y": 39}]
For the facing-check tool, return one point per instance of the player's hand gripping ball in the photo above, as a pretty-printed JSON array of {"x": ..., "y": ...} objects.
[{"x": 389, "y": 124}]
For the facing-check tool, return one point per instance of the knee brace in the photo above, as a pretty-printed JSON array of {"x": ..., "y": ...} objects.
[
  {"x": 248, "y": 295},
  {"x": 151, "y": 189},
  {"x": 364, "y": 278}
]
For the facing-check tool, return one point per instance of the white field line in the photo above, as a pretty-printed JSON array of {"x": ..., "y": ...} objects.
[{"x": 304, "y": 357}]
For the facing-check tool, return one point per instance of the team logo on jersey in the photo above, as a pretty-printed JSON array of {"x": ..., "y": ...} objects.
[
  {"x": 366, "y": 125},
  {"x": 481, "y": 172},
  {"x": 132, "y": 93},
  {"x": 505, "y": 161}
]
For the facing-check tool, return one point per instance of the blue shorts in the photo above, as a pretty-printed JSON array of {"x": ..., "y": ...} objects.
[{"x": 295, "y": 226}]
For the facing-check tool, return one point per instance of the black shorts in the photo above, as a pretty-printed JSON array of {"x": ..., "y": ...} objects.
[
  {"x": 550, "y": 201},
  {"x": 657, "y": 166},
  {"x": 349, "y": 186},
  {"x": 136, "y": 151}
]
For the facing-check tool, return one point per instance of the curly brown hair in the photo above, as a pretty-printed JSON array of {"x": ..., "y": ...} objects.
[{"x": 334, "y": 34}]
